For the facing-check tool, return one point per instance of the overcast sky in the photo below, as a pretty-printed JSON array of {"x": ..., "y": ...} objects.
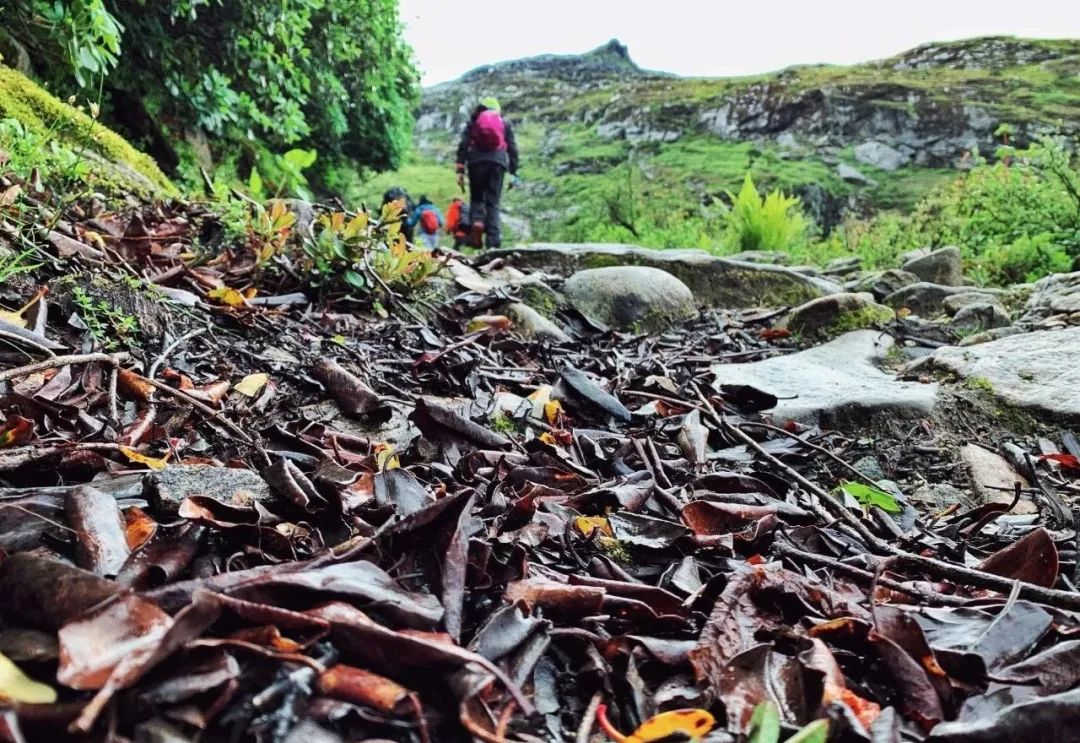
[{"x": 712, "y": 37}]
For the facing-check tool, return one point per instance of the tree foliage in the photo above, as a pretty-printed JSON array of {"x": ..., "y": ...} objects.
[{"x": 330, "y": 75}]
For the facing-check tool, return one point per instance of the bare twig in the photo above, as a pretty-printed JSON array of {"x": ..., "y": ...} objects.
[
  {"x": 814, "y": 447},
  {"x": 112, "y": 359}
]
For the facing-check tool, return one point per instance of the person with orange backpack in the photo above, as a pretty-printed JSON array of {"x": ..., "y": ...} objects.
[
  {"x": 426, "y": 221},
  {"x": 457, "y": 222},
  {"x": 488, "y": 151}
]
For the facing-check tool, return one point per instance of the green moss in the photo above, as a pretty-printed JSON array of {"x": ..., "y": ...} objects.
[
  {"x": 503, "y": 423},
  {"x": 540, "y": 297},
  {"x": 45, "y": 116},
  {"x": 615, "y": 550},
  {"x": 866, "y": 317},
  {"x": 979, "y": 383}
]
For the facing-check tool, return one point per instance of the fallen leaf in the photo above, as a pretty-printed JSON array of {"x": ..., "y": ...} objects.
[
  {"x": 252, "y": 384},
  {"x": 154, "y": 463},
  {"x": 16, "y": 686},
  {"x": 133, "y": 386},
  {"x": 1033, "y": 558},
  {"x": 867, "y": 496},
  {"x": 228, "y": 296},
  {"x": 16, "y": 431}
]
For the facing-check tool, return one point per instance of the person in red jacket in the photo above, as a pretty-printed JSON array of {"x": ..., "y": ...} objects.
[{"x": 488, "y": 151}]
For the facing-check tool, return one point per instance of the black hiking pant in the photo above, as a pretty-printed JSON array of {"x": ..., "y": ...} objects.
[{"x": 485, "y": 192}]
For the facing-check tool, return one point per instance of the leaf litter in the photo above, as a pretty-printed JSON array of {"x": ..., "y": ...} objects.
[{"x": 274, "y": 521}]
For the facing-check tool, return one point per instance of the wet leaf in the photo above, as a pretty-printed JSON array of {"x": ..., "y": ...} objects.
[
  {"x": 100, "y": 536},
  {"x": 154, "y": 463},
  {"x": 575, "y": 386},
  {"x": 252, "y": 384},
  {"x": 354, "y": 397},
  {"x": 15, "y": 686},
  {"x": 1033, "y": 558},
  {"x": 764, "y": 724},
  {"x": 868, "y": 496},
  {"x": 228, "y": 296},
  {"x": 16, "y": 431},
  {"x": 358, "y": 686}
]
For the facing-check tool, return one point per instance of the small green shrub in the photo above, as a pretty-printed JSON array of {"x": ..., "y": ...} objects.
[{"x": 770, "y": 222}]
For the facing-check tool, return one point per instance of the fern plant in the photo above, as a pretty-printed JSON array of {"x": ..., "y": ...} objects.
[{"x": 772, "y": 222}]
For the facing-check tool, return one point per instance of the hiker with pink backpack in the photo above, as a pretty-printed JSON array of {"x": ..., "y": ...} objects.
[{"x": 487, "y": 150}]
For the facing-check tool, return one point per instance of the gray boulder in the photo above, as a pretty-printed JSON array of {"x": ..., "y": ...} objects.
[
  {"x": 883, "y": 283},
  {"x": 955, "y": 302},
  {"x": 979, "y": 316},
  {"x": 842, "y": 266},
  {"x": 715, "y": 282},
  {"x": 942, "y": 266},
  {"x": 923, "y": 299},
  {"x": 880, "y": 156},
  {"x": 839, "y": 384},
  {"x": 1057, "y": 294},
  {"x": 768, "y": 257},
  {"x": 827, "y": 317},
  {"x": 854, "y": 175},
  {"x": 633, "y": 298},
  {"x": 993, "y": 334},
  {"x": 1036, "y": 371}
]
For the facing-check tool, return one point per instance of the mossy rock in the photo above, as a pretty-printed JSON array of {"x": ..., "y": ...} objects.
[
  {"x": 42, "y": 114},
  {"x": 715, "y": 282},
  {"x": 829, "y": 317}
]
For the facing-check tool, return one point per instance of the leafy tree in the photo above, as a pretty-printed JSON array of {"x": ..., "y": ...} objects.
[{"x": 333, "y": 76}]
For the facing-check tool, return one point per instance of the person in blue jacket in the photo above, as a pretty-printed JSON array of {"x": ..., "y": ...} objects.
[{"x": 426, "y": 222}]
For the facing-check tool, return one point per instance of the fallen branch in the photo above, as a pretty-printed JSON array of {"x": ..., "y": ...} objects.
[{"x": 112, "y": 359}]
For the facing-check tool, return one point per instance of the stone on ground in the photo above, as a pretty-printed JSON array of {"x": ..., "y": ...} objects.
[
  {"x": 854, "y": 175},
  {"x": 828, "y": 317},
  {"x": 993, "y": 478},
  {"x": 839, "y": 384},
  {"x": 1036, "y": 372},
  {"x": 923, "y": 299},
  {"x": 531, "y": 324},
  {"x": 955, "y": 302},
  {"x": 883, "y": 283},
  {"x": 715, "y": 282},
  {"x": 941, "y": 266},
  {"x": 633, "y": 298},
  {"x": 974, "y": 318},
  {"x": 880, "y": 155},
  {"x": 1057, "y": 294},
  {"x": 167, "y": 488}
]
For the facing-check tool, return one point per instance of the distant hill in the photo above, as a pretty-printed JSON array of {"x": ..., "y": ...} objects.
[{"x": 847, "y": 139}]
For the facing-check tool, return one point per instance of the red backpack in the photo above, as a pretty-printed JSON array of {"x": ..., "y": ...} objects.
[
  {"x": 429, "y": 222},
  {"x": 489, "y": 131}
]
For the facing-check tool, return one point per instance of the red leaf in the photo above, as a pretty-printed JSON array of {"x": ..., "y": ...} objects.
[{"x": 1033, "y": 559}]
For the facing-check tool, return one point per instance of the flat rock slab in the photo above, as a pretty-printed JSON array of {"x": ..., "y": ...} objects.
[
  {"x": 839, "y": 384},
  {"x": 993, "y": 478},
  {"x": 1037, "y": 372},
  {"x": 167, "y": 488},
  {"x": 715, "y": 282}
]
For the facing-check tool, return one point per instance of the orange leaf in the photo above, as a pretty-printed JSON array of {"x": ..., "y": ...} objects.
[
  {"x": 153, "y": 463},
  {"x": 268, "y": 636},
  {"x": 16, "y": 431},
  {"x": 139, "y": 527},
  {"x": 684, "y": 723},
  {"x": 132, "y": 386},
  {"x": 692, "y": 723}
]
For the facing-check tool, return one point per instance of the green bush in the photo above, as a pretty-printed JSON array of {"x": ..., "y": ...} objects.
[
  {"x": 333, "y": 76},
  {"x": 770, "y": 222},
  {"x": 1014, "y": 220}
]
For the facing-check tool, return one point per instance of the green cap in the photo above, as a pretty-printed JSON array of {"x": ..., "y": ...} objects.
[{"x": 491, "y": 102}]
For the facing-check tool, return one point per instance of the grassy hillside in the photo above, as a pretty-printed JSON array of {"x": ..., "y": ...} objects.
[{"x": 594, "y": 129}]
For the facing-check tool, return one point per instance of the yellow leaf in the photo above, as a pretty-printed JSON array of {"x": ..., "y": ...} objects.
[
  {"x": 539, "y": 399},
  {"x": 691, "y": 723},
  {"x": 386, "y": 458},
  {"x": 250, "y": 292},
  {"x": 585, "y": 524},
  {"x": 356, "y": 225},
  {"x": 228, "y": 296},
  {"x": 153, "y": 463},
  {"x": 252, "y": 384},
  {"x": 339, "y": 339},
  {"x": 16, "y": 317},
  {"x": 548, "y": 439},
  {"x": 552, "y": 410},
  {"x": 16, "y": 686}
]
